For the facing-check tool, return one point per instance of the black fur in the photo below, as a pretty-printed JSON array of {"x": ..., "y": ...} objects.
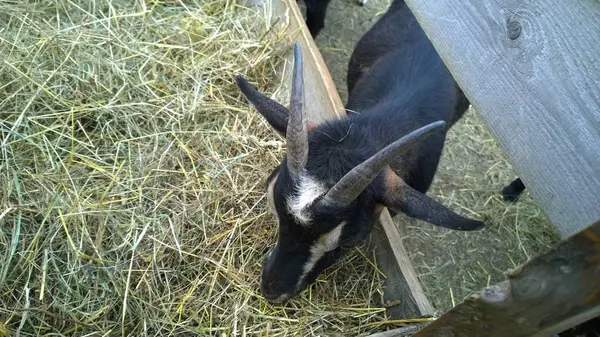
[
  {"x": 512, "y": 191},
  {"x": 589, "y": 328},
  {"x": 397, "y": 84},
  {"x": 316, "y": 10}
]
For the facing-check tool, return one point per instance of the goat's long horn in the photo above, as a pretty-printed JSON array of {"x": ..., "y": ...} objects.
[
  {"x": 354, "y": 182},
  {"x": 297, "y": 133}
]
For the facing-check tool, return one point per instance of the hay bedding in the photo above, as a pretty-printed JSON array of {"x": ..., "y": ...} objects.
[{"x": 132, "y": 172}]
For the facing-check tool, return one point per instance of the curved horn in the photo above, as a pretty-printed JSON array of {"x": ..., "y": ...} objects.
[
  {"x": 354, "y": 182},
  {"x": 296, "y": 134}
]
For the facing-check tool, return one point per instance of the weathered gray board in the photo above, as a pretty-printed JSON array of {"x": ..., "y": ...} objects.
[{"x": 532, "y": 70}]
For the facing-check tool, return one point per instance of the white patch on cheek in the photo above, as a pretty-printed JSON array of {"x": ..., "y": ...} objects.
[
  {"x": 308, "y": 191},
  {"x": 270, "y": 196},
  {"x": 326, "y": 243}
]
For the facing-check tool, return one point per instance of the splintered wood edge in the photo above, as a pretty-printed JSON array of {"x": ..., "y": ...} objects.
[
  {"x": 398, "y": 332},
  {"x": 323, "y": 102}
]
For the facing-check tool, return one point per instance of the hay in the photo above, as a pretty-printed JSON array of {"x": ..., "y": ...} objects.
[{"x": 132, "y": 176}]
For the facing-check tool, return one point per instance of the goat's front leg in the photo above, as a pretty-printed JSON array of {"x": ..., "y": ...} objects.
[
  {"x": 513, "y": 190},
  {"x": 315, "y": 15}
]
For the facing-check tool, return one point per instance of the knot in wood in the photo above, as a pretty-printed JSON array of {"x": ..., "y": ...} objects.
[
  {"x": 513, "y": 29},
  {"x": 497, "y": 293}
]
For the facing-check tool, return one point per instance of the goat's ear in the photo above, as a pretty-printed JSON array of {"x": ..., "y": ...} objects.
[
  {"x": 275, "y": 113},
  {"x": 400, "y": 197}
]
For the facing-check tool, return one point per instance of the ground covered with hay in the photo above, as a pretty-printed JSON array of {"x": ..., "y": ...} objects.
[
  {"x": 132, "y": 178},
  {"x": 132, "y": 175}
]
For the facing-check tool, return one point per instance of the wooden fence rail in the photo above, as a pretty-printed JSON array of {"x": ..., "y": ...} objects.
[
  {"x": 532, "y": 70},
  {"x": 548, "y": 294}
]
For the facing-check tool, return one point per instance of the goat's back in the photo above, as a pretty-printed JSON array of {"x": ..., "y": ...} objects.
[
  {"x": 397, "y": 83},
  {"x": 396, "y": 27},
  {"x": 395, "y": 63}
]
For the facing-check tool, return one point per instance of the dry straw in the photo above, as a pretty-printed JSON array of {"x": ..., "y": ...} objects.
[{"x": 132, "y": 172}]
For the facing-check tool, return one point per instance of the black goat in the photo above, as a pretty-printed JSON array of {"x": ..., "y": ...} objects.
[
  {"x": 315, "y": 14},
  {"x": 326, "y": 191},
  {"x": 512, "y": 191}
]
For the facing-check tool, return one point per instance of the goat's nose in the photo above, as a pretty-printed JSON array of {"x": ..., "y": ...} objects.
[{"x": 268, "y": 287}]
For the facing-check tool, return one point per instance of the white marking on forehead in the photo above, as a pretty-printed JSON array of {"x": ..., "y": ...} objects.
[
  {"x": 326, "y": 243},
  {"x": 308, "y": 191}
]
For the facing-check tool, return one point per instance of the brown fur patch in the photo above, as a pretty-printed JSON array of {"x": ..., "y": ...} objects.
[{"x": 393, "y": 183}]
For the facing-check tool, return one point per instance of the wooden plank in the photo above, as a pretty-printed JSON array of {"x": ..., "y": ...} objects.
[
  {"x": 323, "y": 102},
  {"x": 403, "y": 294},
  {"x": 549, "y": 294},
  {"x": 532, "y": 70},
  {"x": 321, "y": 99}
]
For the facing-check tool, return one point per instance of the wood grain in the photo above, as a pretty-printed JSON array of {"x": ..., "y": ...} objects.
[
  {"x": 322, "y": 102},
  {"x": 321, "y": 99},
  {"x": 548, "y": 294},
  {"x": 390, "y": 246},
  {"x": 532, "y": 70}
]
